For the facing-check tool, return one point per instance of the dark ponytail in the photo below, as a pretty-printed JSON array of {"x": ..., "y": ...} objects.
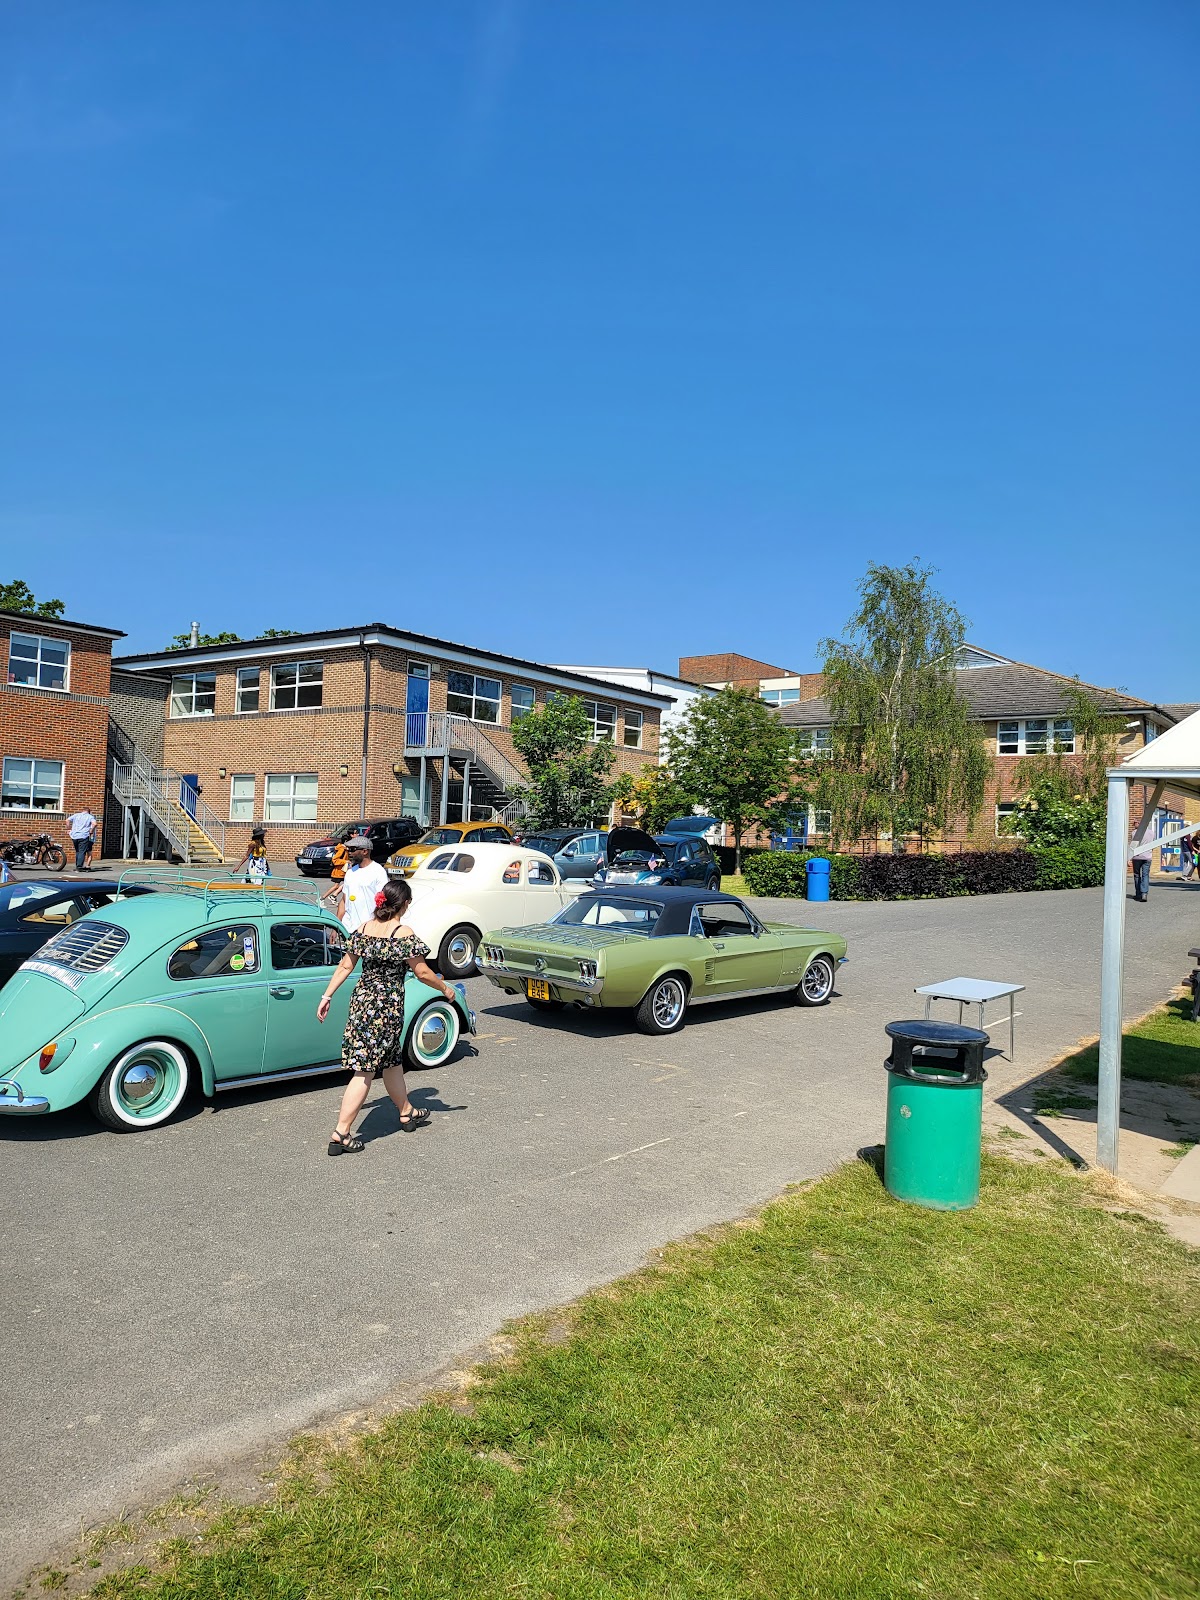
[{"x": 393, "y": 900}]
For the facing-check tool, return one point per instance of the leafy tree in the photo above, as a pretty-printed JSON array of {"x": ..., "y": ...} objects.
[
  {"x": 183, "y": 641},
  {"x": 905, "y": 756},
  {"x": 1067, "y": 797},
  {"x": 279, "y": 633},
  {"x": 18, "y": 596},
  {"x": 655, "y": 796},
  {"x": 568, "y": 776},
  {"x": 1050, "y": 814},
  {"x": 732, "y": 755}
]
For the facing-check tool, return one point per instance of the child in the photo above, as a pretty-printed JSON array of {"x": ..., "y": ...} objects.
[{"x": 255, "y": 860}]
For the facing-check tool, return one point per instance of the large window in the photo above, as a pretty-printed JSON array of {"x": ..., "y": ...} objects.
[
  {"x": 193, "y": 694},
  {"x": 813, "y": 741},
  {"x": 602, "y": 718},
  {"x": 247, "y": 688},
  {"x": 474, "y": 697},
  {"x": 291, "y": 797},
  {"x": 633, "y": 730},
  {"x": 216, "y": 953},
  {"x": 296, "y": 685},
  {"x": 1004, "y": 811},
  {"x": 241, "y": 797},
  {"x": 779, "y": 697},
  {"x": 296, "y": 946},
  {"x": 31, "y": 785},
  {"x": 1035, "y": 736},
  {"x": 522, "y": 701},
  {"x": 37, "y": 662}
]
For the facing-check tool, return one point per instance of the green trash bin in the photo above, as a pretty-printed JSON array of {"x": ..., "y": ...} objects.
[{"x": 934, "y": 1114}]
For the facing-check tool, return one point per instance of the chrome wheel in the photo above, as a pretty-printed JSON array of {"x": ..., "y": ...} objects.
[
  {"x": 434, "y": 1034},
  {"x": 456, "y": 953},
  {"x": 663, "y": 1007},
  {"x": 143, "y": 1087},
  {"x": 817, "y": 983}
]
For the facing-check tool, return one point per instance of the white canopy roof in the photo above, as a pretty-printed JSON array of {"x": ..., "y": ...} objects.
[{"x": 1172, "y": 758}]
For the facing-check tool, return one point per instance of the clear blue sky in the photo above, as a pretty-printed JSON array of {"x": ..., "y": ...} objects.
[{"x": 609, "y": 331}]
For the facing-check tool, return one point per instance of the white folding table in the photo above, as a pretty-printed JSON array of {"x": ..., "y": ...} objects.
[{"x": 976, "y": 992}]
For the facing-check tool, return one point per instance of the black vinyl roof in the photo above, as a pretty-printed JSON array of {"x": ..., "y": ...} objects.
[{"x": 676, "y": 902}]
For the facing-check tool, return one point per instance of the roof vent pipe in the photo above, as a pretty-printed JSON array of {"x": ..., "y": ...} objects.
[{"x": 195, "y": 641}]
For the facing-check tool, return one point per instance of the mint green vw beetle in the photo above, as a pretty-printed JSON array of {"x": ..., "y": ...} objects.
[{"x": 212, "y": 985}]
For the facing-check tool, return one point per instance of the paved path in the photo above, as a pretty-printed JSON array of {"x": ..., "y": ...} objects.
[{"x": 177, "y": 1297}]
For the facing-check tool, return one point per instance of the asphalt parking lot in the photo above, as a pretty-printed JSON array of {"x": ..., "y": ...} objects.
[{"x": 178, "y": 1297}]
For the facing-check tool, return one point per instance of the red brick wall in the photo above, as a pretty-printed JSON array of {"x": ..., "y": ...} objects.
[
  {"x": 727, "y": 668},
  {"x": 50, "y": 725}
]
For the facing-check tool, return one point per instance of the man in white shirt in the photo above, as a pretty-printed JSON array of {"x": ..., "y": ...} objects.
[
  {"x": 363, "y": 881},
  {"x": 82, "y": 825}
]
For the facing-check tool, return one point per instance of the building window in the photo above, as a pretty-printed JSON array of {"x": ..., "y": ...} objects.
[
  {"x": 603, "y": 720},
  {"x": 470, "y": 696},
  {"x": 247, "y": 688},
  {"x": 38, "y": 663},
  {"x": 814, "y": 741},
  {"x": 31, "y": 785},
  {"x": 522, "y": 701},
  {"x": 296, "y": 685},
  {"x": 821, "y": 821},
  {"x": 291, "y": 797},
  {"x": 633, "y": 730},
  {"x": 241, "y": 797},
  {"x": 779, "y": 697},
  {"x": 1005, "y": 810},
  {"x": 193, "y": 694},
  {"x": 1035, "y": 736}
]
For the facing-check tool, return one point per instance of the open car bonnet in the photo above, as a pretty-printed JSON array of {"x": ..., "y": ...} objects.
[{"x": 618, "y": 839}]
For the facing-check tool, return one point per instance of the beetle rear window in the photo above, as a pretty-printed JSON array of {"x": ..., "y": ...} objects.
[
  {"x": 216, "y": 953},
  {"x": 83, "y": 948}
]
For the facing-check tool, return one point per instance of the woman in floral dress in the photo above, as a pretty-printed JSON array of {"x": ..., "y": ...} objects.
[{"x": 374, "y": 1039}]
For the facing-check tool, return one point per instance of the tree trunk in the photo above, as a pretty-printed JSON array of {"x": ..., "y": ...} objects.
[{"x": 737, "y": 846}]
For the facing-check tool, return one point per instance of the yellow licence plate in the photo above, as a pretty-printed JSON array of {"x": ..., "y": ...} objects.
[{"x": 537, "y": 988}]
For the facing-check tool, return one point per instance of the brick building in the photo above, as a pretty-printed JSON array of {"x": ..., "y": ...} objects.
[
  {"x": 317, "y": 729},
  {"x": 53, "y": 721},
  {"x": 777, "y": 685}
]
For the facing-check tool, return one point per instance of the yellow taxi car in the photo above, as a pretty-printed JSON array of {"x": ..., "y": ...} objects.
[{"x": 410, "y": 856}]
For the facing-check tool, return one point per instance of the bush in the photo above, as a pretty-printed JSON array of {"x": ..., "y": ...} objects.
[
  {"x": 1078, "y": 865},
  {"x": 782, "y": 873},
  {"x": 940, "y": 877}
]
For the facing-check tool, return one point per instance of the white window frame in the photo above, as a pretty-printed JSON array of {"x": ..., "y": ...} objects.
[
  {"x": 39, "y": 639},
  {"x": 593, "y": 709},
  {"x": 270, "y": 800},
  {"x": 34, "y": 762},
  {"x": 1004, "y": 809},
  {"x": 633, "y": 720},
  {"x": 234, "y": 814},
  {"x": 295, "y": 668},
  {"x": 184, "y": 677},
  {"x": 248, "y": 678},
  {"x": 419, "y": 669},
  {"x": 475, "y": 697},
  {"x": 779, "y": 697},
  {"x": 1017, "y": 743},
  {"x": 522, "y": 711},
  {"x": 814, "y": 741}
]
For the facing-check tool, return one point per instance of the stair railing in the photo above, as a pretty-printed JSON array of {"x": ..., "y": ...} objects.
[
  {"x": 443, "y": 730},
  {"x": 157, "y": 791}
]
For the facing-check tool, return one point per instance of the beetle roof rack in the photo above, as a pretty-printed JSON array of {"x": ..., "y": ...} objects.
[{"x": 218, "y": 891}]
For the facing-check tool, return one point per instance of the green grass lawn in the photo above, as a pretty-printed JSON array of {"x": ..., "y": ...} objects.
[
  {"x": 1163, "y": 1048},
  {"x": 734, "y": 883},
  {"x": 845, "y": 1398}
]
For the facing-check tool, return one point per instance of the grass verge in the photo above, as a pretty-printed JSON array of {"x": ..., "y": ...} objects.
[
  {"x": 1162, "y": 1048},
  {"x": 846, "y": 1397}
]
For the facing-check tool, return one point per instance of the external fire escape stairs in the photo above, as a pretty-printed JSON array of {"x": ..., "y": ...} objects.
[
  {"x": 490, "y": 778},
  {"x": 155, "y": 800}
]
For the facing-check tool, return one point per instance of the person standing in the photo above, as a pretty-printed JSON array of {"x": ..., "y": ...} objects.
[
  {"x": 81, "y": 825},
  {"x": 258, "y": 868},
  {"x": 363, "y": 881},
  {"x": 1143, "y": 854},
  {"x": 337, "y": 871},
  {"x": 1187, "y": 857},
  {"x": 373, "y": 1043}
]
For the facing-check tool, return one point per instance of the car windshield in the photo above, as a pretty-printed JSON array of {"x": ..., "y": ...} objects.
[
  {"x": 347, "y": 831},
  {"x": 642, "y": 858},
  {"x": 16, "y": 896},
  {"x": 542, "y": 842},
  {"x": 602, "y": 910},
  {"x": 441, "y": 836}
]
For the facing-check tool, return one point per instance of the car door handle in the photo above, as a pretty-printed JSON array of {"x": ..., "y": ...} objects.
[
  {"x": 718, "y": 944},
  {"x": 281, "y": 991}
]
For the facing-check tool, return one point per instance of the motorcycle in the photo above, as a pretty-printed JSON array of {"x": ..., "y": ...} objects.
[{"x": 40, "y": 851}]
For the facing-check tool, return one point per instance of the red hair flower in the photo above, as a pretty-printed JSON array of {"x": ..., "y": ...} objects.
[{"x": 379, "y": 899}]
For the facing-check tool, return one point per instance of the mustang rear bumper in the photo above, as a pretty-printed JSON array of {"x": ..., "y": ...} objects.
[
  {"x": 514, "y": 980},
  {"x": 14, "y": 1102}
]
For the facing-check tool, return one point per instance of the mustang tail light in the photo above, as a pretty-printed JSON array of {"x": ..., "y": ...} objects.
[{"x": 587, "y": 971}]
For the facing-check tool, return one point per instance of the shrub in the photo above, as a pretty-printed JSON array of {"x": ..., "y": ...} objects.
[
  {"x": 1078, "y": 865},
  {"x": 782, "y": 873},
  {"x": 940, "y": 877}
]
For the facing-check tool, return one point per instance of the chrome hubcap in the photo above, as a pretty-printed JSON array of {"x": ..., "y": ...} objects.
[
  {"x": 431, "y": 1035},
  {"x": 461, "y": 951},
  {"x": 668, "y": 1002},
  {"x": 140, "y": 1083},
  {"x": 817, "y": 981}
]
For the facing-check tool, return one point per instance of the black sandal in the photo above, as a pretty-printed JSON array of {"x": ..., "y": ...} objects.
[
  {"x": 416, "y": 1118},
  {"x": 344, "y": 1144}
]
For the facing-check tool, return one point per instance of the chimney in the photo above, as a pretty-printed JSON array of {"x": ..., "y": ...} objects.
[{"x": 195, "y": 644}]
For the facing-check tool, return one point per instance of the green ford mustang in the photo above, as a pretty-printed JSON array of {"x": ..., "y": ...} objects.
[
  {"x": 659, "y": 951},
  {"x": 214, "y": 986}
]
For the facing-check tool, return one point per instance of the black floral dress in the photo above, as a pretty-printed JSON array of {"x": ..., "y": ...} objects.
[{"x": 375, "y": 1025}]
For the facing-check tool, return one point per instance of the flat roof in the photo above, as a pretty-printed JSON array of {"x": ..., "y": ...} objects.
[{"x": 61, "y": 622}]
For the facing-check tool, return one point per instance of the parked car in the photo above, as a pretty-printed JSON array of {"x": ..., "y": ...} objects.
[
  {"x": 35, "y": 910},
  {"x": 633, "y": 856},
  {"x": 576, "y": 852},
  {"x": 316, "y": 859},
  {"x": 659, "y": 951},
  {"x": 461, "y": 889},
  {"x": 406, "y": 861},
  {"x": 208, "y": 987}
]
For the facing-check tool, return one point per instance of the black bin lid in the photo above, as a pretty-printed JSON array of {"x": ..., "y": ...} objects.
[
  {"x": 922, "y": 1031},
  {"x": 946, "y": 1050}
]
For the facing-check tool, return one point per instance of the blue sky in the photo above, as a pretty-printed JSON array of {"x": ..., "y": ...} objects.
[{"x": 606, "y": 332}]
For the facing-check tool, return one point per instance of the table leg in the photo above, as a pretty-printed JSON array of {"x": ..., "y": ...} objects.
[
  {"x": 928, "y": 1001},
  {"x": 1012, "y": 1028}
]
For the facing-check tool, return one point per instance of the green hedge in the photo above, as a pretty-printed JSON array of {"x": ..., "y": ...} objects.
[{"x": 1079, "y": 865}]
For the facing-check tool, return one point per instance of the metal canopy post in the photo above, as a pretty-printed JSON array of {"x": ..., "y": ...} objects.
[{"x": 1116, "y": 854}]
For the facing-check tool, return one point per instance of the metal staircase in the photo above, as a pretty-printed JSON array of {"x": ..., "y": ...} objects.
[
  {"x": 147, "y": 793},
  {"x": 494, "y": 777}
]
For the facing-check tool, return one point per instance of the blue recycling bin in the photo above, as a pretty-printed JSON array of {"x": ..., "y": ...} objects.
[{"x": 817, "y": 878}]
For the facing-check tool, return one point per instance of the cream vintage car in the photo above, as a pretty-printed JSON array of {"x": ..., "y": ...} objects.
[{"x": 463, "y": 889}]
